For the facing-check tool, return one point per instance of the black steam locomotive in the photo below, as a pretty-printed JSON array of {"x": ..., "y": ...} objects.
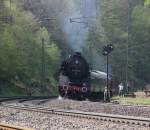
[
  {"x": 74, "y": 77},
  {"x": 77, "y": 81}
]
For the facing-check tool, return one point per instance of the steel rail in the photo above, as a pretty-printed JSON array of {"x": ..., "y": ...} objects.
[
  {"x": 88, "y": 115},
  {"x": 26, "y": 98},
  {"x": 12, "y": 127}
]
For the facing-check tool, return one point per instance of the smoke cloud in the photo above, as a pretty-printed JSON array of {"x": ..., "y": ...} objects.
[
  {"x": 77, "y": 22},
  {"x": 75, "y": 17}
]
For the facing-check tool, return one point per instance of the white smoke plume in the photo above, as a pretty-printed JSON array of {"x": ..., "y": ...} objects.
[{"x": 75, "y": 17}]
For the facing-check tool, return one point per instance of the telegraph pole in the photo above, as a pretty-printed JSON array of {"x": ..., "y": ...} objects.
[
  {"x": 128, "y": 41},
  {"x": 43, "y": 62},
  {"x": 107, "y": 78},
  {"x": 91, "y": 56}
]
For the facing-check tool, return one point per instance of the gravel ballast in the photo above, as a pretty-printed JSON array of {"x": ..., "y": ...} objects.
[
  {"x": 40, "y": 121},
  {"x": 87, "y": 106}
]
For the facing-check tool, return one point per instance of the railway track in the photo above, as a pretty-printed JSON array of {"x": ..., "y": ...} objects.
[
  {"x": 25, "y": 98},
  {"x": 88, "y": 115},
  {"x": 10, "y": 127}
]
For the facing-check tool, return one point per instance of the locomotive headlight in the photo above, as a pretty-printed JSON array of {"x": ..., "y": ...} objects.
[{"x": 84, "y": 84}]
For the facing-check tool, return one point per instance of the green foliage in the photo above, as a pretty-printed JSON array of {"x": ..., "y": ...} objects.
[
  {"x": 141, "y": 25},
  {"x": 119, "y": 23},
  {"x": 21, "y": 49},
  {"x": 137, "y": 24},
  {"x": 122, "y": 23},
  {"x": 147, "y": 3}
]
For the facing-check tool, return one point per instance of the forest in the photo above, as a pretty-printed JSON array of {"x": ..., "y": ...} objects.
[{"x": 36, "y": 35}]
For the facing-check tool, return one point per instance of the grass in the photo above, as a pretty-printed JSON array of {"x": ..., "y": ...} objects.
[{"x": 140, "y": 99}]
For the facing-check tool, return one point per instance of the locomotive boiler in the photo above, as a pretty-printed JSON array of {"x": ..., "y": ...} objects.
[{"x": 74, "y": 77}]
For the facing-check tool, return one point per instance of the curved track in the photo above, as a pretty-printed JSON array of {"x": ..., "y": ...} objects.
[
  {"x": 25, "y": 98},
  {"x": 10, "y": 127},
  {"x": 89, "y": 115}
]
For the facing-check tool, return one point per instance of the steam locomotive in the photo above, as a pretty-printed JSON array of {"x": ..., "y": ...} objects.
[
  {"x": 74, "y": 77},
  {"x": 77, "y": 81}
]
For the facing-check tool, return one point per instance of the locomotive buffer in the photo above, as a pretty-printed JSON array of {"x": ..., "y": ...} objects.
[{"x": 106, "y": 51}]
